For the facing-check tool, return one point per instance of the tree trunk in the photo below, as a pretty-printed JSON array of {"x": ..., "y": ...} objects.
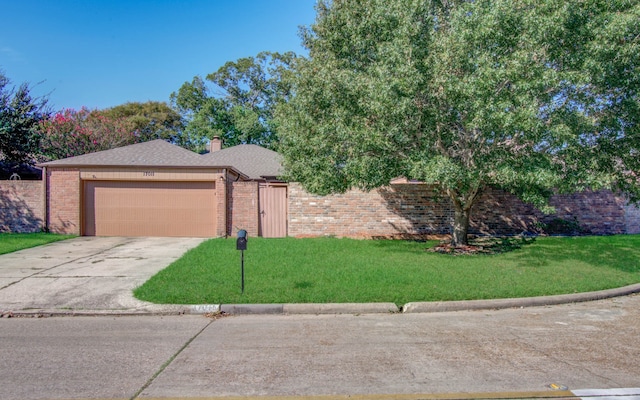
[{"x": 460, "y": 226}]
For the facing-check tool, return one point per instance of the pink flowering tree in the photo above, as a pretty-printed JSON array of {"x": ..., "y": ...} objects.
[{"x": 71, "y": 133}]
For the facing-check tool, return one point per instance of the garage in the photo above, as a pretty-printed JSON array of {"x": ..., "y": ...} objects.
[
  {"x": 156, "y": 188},
  {"x": 149, "y": 208}
]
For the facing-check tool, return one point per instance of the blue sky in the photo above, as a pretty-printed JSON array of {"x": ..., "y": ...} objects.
[{"x": 101, "y": 54}]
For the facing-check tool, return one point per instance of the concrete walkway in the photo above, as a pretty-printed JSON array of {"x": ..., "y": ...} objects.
[{"x": 86, "y": 274}]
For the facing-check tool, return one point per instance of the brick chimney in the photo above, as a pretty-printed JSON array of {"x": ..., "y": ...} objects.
[{"x": 216, "y": 144}]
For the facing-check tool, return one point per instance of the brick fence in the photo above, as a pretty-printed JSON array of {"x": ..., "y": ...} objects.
[
  {"x": 416, "y": 209},
  {"x": 21, "y": 206},
  {"x": 399, "y": 209}
]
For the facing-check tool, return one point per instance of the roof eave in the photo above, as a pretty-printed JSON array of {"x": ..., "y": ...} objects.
[{"x": 53, "y": 165}]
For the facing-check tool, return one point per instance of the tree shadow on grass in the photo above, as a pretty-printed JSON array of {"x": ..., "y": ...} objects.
[{"x": 619, "y": 252}]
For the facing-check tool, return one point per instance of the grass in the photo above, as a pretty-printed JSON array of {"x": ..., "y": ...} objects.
[
  {"x": 329, "y": 270},
  {"x": 10, "y": 242}
]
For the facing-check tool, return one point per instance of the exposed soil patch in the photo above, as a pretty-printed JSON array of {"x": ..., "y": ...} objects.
[{"x": 484, "y": 245}]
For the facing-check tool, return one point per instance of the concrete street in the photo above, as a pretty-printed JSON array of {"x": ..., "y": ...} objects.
[
  {"x": 592, "y": 345},
  {"x": 335, "y": 351}
]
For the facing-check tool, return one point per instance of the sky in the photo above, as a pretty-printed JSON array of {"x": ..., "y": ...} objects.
[{"x": 102, "y": 53}]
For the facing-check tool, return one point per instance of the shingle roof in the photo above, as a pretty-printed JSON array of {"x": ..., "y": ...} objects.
[
  {"x": 156, "y": 153},
  {"x": 250, "y": 159}
]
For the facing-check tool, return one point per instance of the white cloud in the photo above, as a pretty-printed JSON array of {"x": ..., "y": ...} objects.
[{"x": 11, "y": 54}]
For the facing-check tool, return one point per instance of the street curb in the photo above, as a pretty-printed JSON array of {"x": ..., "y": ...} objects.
[
  {"x": 308, "y": 308},
  {"x": 335, "y": 308},
  {"x": 341, "y": 308},
  {"x": 442, "y": 306}
]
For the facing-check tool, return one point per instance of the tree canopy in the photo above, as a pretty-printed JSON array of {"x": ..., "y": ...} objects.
[
  {"x": 523, "y": 95},
  {"x": 70, "y": 133},
  {"x": 20, "y": 114},
  {"x": 150, "y": 120},
  {"x": 236, "y": 102}
]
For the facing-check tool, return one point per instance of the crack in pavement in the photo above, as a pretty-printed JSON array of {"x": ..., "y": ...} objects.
[
  {"x": 59, "y": 265},
  {"x": 169, "y": 361}
]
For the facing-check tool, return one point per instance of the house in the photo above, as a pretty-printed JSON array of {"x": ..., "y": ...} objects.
[{"x": 159, "y": 189}]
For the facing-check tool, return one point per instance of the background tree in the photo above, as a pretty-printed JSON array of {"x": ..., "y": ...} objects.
[
  {"x": 150, "y": 120},
  {"x": 527, "y": 96},
  {"x": 20, "y": 114},
  {"x": 237, "y": 103},
  {"x": 71, "y": 133}
]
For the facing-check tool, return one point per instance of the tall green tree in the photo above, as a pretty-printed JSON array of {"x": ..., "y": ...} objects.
[
  {"x": 237, "y": 102},
  {"x": 529, "y": 96},
  {"x": 150, "y": 120},
  {"x": 20, "y": 114}
]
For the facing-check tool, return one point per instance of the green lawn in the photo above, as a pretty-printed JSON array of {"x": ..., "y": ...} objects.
[
  {"x": 10, "y": 242},
  {"x": 329, "y": 270}
]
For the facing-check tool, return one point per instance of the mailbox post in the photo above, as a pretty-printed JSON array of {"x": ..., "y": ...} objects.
[{"x": 241, "y": 244}]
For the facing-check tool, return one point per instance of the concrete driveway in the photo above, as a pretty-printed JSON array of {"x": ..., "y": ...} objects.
[{"x": 86, "y": 274}]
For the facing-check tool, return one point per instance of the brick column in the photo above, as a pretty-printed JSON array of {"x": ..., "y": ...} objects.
[{"x": 63, "y": 201}]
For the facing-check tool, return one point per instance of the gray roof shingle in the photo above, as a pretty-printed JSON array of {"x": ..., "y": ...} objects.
[
  {"x": 250, "y": 159},
  {"x": 155, "y": 153}
]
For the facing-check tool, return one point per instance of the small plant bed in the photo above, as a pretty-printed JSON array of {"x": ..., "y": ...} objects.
[
  {"x": 330, "y": 270},
  {"x": 10, "y": 242}
]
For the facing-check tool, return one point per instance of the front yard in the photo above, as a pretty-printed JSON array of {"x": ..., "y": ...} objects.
[
  {"x": 10, "y": 242},
  {"x": 329, "y": 270}
]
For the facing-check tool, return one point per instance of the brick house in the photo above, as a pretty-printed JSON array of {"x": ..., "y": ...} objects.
[{"x": 159, "y": 189}]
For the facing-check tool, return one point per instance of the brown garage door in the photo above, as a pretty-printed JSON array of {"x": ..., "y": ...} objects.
[{"x": 113, "y": 208}]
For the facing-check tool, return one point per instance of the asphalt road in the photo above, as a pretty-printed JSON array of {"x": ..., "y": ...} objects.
[{"x": 593, "y": 345}]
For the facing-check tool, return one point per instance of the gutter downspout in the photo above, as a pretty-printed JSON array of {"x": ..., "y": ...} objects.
[
  {"x": 45, "y": 216},
  {"x": 226, "y": 202}
]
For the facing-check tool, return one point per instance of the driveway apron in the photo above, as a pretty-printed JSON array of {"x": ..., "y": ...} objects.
[{"x": 86, "y": 273}]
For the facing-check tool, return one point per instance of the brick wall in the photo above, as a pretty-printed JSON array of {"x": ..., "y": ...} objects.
[
  {"x": 63, "y": 208},
  {"x": 242, "y": 209},
  {"x": 499, "y": 212},
  {"x": 21, "y": 206},
  {"x": 416, "y": 209},
  {"x": 599, "y": 213},
  {"x": 398, "y": 209},
  {"x": 632, "y": 218}
]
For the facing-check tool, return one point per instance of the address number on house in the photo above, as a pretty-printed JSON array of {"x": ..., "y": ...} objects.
[{"x": 148, "y": 173}]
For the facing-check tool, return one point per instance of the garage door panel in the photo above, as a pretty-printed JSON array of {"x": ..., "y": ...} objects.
[{"x": 115, "y": 208}]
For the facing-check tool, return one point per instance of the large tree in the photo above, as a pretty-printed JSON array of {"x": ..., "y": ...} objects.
[
  {"x": 71, "y": 133},
  {"x": 524, "y": 95},
  {"x": 236, "y": 102},
  {"x": 150, "y": 120},
  {"x": 20, "y": 114}
]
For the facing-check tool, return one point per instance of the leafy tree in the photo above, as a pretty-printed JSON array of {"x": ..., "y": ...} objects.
[
  {"x": 20, "y": 114},
  {"x": 71, "y": 133},
  {"x": 524, "y": 95},
  {"x": 238, "y": 102},
  {"x": 150, "y": 120}
]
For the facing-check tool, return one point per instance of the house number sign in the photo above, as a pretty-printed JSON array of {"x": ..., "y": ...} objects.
[{"x": 148, "y": 173}]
